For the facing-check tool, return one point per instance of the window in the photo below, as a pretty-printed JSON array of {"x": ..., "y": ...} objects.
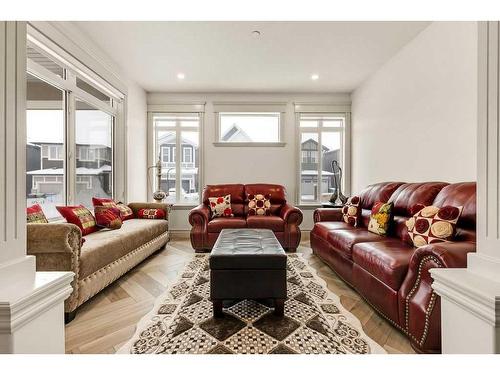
[
  {"x": 45, "y": 131},
  {"x": 53, "y": 175},
  {"x": 178, "y": 132},
  {"x": 239, "y": 127},
  {"x": 93, "y": 131},
  {"x": 322, "y": 139}
]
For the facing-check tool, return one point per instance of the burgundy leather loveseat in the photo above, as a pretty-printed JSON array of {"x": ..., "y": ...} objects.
[
  {"x": 284, "y": 219},
  {"x": 389, "y": 272}
]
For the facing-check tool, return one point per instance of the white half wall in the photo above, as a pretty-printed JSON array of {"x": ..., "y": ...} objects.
[
  {"x": 247, "y": 164},
  {"x": 415, "y": 119}
]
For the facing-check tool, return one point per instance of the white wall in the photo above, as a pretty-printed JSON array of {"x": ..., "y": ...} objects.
[
  {"x": 136, "y": 144},
  {"x": 247, "y": 164},
  {"x": 415, "y": 118}
]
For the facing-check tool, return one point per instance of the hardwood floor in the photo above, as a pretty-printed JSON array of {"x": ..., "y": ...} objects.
[{"x": 107, "y": 321}]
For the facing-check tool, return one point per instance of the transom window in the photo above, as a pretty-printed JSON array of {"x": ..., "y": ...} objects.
[
  {"x": 240, "y": 127},
  {"x": 322, "y": 140}
]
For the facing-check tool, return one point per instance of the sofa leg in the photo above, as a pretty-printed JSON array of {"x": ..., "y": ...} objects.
[
  {"x": 69, "y": 316},
  {"x": 291, "y": 249}
]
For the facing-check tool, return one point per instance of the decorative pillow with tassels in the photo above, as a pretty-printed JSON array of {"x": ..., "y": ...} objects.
[
  {"x": 35, "y": 215},
  {"x": 151, "y": 213},
  {"x": 108, "y": 217}
]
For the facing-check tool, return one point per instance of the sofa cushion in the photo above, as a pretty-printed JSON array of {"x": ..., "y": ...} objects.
[
  {"x": 275, "y": 223},
  {"x": 322, "y": 229},
  {"x": 343, "y": 240},
  {"x": 386, "y": 260},
  {"x": 217, "y": 224},
  {"x": 104, "y": 247}
]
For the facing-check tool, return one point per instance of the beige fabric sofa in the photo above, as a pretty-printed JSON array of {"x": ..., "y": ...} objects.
[{"x": 104, "y": 257}]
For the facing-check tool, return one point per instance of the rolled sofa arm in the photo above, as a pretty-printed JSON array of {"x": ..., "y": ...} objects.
[
  {"x": 199, "y": 218},
  {"x": 57, "y": 247},
  {"x": 327, "y": 214},
  {"x": 291, "y": 215},
  {"x": 420, "y": 307},
  {"x": 136, "y": 206}
]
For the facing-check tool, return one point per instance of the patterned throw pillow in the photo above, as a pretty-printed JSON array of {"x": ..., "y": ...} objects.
[
  {"x": 126, "y": 211},
  {"x": 259, "y": 204},
  {"x": 151, "y": 213},
  {"x": 351, "y": 211},
  {"x": 221, "y": 206},
  {"x": 80, "y": 216},
  {"x": 380, "y": 218},
  {"x": 34, "y": 214},
  {"x": 433, "y": 224},
  {"x": 108, "y": 217}
]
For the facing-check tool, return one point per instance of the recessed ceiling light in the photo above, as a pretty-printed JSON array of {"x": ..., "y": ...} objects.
[
  {"x": 315, "y": 77},
  {"x": 256, "y": 33},
  {"x": 181, "y": 75}
]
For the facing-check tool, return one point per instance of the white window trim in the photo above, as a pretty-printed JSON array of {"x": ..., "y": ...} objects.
[
  {"x": 59, "y": 150},
  {"x": 346, "y": 145}
]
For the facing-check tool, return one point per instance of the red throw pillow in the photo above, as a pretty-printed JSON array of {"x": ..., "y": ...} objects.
[
  {"x": 80, "y": 216},
  {"x": 34, "y": 214},
  {"x": 126, "y": 211},
  {"x": 259, "y": 204},
  {"x": 108, "y": 217},
  {"x": 151, "y": 213},
  {"x": 221, "y": 206}
]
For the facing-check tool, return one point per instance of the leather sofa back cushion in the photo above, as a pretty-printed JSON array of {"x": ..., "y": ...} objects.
[
  {"x": 236, "y": 191},
  {"x": 408, "y": 195},
  {"x": 380, "y": 192},
  {"x": 460, "y": 194}
]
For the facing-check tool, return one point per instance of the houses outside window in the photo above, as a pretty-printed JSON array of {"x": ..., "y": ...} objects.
[
  {"x": 53, "y": 175},
  {"x": 321, "y": 141},
  {"x": 176, "y": 140}
]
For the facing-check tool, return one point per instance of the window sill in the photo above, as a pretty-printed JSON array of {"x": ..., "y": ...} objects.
[
  {"x": 183, "y": 206},
  {"x": 249, "y": 144},
  {"x": 311, "y": 206}
]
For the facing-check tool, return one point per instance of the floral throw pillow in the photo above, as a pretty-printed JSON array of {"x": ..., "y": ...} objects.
[
  {"x": 221, "y": 206},
  {"x": 108, "y": 217},
  {"x": 35, "y": 215},
  {"x": 351, "y": 211},
  {"x": 80, "y": 216},
  {"x": 433, "y": 224},
  {"x": 380, "y": 218},
  {"x": 259, "y": 204},
  {"x": 151, "y": 213}
]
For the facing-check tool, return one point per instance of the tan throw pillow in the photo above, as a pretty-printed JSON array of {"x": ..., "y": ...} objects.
[
  {"x": 433, "y": 224},
  {"x": 221, "y": 206},
  {"x": 380, "y": 218},
  {"x": 351, "y": 211}
]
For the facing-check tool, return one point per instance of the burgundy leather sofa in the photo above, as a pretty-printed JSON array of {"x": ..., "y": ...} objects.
[
  {"x": 389, "y": 272},
  {"x": 284, "y": 220}
]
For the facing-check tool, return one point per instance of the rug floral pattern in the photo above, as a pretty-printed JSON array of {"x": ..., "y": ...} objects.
[{"x": 182, "y": 320}]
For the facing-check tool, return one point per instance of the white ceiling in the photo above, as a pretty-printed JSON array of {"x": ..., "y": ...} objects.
[{"x": 225, "y": 57}]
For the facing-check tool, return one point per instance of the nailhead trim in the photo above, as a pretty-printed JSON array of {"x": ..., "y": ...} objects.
[
  {"x": 124, "y": 258},
  {"x": 430, "y": 306}
]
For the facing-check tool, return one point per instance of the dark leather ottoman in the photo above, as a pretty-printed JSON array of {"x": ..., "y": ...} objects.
[{"x": 247, "y": 264}]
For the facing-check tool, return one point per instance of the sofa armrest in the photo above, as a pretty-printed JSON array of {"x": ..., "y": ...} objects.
[
  {"x": 327, "y": 214},
  {"x": 419, "y": 304},
  {"x": 136, "y": 206},
  {"x": 291, "y": 214},
  {"x": 199, "y": 218},
  {"x": 200, "y": 215},
  {"x": 57, "y": 247}
]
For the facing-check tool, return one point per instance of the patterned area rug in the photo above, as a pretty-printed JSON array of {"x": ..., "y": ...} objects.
[{"x": 315, "y": 322}]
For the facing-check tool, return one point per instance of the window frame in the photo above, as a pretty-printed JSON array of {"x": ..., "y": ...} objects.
[
  {"x": 176, "y": 151},
  {"x": 345, "y": 132},
  {"x": 72, "y": 93}
]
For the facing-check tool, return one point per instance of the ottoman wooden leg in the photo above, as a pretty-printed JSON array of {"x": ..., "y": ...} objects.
[
  {"x": 279, "y": 307},
  {"x": 217, "y": 306}
]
